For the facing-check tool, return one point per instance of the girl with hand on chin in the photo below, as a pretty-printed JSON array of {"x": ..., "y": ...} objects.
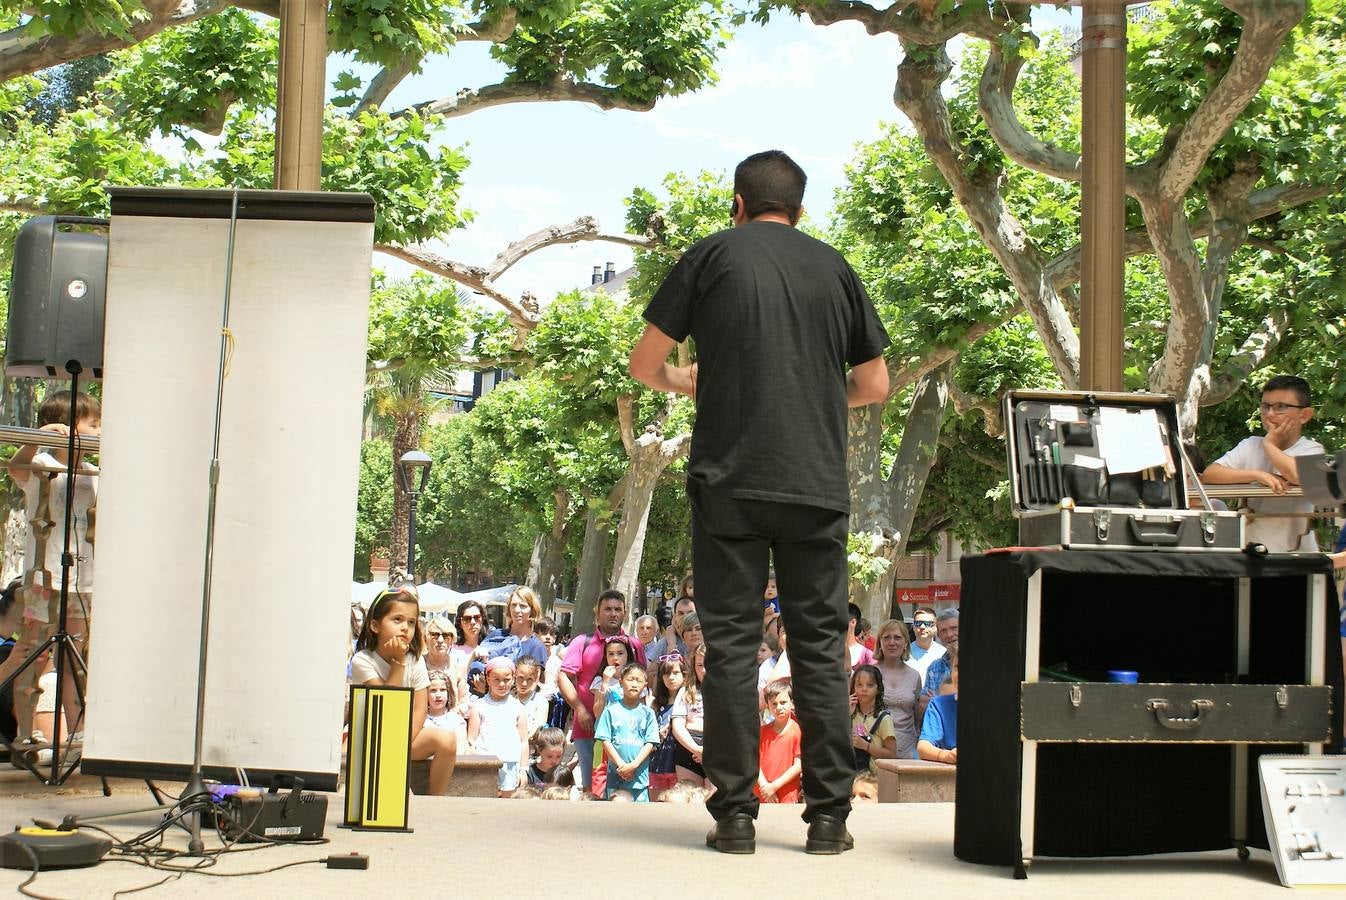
[{"x": 389, "y": 653}]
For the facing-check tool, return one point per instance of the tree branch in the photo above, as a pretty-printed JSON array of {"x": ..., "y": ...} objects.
[
  {"x": 24, "y": 206},
  {"x": 995, "y": 99},
  {"x": 626, "y": 422},
  {"x": 997, "y": 463},
  {"x": 1265, "y": 26},
  {"x": 1064, "y": 268},
  {"x": 584, "y": 228},
  {"x": 22, "y": 54},
  {"x": 1250, "y": 357},
  {"x": 383, "y": 84},
  {"x": 265, "y": 7},
  {"x": 506, "y": 92},
  {"x": 473, "y": 277},
  {"x": 492, "y": 32},
  {"x": 918, "y": 94},
  {"x": 963, "y": 403},
  {"x": 903, "y": 18},
  {"x": 388, "y": 78}
]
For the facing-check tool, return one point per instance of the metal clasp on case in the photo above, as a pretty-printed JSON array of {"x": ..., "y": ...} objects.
[
  {"x": 1076, "y": 696},
  {"x": 1208, "y": 520},
  {"x": 1102, "y": 522}
]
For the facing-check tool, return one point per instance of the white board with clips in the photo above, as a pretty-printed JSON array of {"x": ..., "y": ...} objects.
[{"x": 1304, "y": 803}]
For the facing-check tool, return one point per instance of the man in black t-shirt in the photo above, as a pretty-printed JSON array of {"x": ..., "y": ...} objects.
[{"x": 767, "y": 477}]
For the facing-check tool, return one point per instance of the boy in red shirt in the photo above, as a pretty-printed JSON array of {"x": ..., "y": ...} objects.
[{"x": 778, "y": 748}]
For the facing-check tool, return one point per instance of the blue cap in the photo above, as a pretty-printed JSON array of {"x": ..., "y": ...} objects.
[{"x": 1123, "y": 676}]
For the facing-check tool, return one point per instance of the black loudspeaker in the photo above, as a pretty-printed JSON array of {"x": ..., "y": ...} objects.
[{"x": 56, "y": 298}]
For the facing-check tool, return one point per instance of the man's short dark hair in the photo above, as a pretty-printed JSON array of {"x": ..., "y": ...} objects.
[
  {"x": 1285, "y": 383},
  {"x": 770, "y": 181},
  {"x": 610, "y": 594}
]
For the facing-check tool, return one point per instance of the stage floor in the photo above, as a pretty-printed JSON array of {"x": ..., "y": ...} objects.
[{"x": 536, "y": 848}]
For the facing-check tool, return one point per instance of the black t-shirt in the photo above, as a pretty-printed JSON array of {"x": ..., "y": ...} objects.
[{"x": 777, "y": 316}]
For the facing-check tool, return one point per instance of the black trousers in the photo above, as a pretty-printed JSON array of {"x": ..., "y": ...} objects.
[{"x": 730, "y": 543}]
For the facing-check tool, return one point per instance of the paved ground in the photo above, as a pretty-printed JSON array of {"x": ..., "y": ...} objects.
[{"x": 534, "y": 848}]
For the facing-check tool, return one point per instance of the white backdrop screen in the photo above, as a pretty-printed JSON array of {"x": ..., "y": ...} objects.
[{"x": 285, "y": 511}]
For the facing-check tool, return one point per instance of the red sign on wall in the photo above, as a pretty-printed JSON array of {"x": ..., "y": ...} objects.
[{"x": 942, "y": 592}]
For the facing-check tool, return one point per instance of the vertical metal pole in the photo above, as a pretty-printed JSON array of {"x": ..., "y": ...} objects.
[
  {"x": 302, "y": 82},
  {"x": 195, "y": 784},
  {"x": 1103, "y": 198}
]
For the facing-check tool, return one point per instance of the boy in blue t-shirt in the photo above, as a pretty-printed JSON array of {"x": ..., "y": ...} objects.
[{"x": 630, "y": 733}]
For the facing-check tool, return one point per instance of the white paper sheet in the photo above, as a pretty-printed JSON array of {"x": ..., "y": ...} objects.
[{"x": 1129, "y": 441}]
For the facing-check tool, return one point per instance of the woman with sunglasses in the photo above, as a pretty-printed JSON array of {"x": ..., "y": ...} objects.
[
  {"x": 470, "y": 622},
  {"x": 439, "y": 640}
]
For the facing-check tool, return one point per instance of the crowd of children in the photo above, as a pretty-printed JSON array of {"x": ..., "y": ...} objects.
[{"x": 648, "y": 718}]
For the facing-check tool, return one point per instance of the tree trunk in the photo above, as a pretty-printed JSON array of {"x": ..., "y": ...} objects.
[
  {"x": 869, "y": 505},
  {"x": 406, "y": 437},
  {"x": 901, "y": 492},
  {"x": 534, "y": 577},
  {"x": 641, "y": 478},
  {"x": 649, "y": 455},
  {"x": 597, "y": 530}
]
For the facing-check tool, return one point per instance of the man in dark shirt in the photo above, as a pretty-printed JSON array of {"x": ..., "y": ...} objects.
[{"x": 767, "y": 477}]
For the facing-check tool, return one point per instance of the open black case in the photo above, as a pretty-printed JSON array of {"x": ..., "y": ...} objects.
[{"x": 1105, "y": 471}]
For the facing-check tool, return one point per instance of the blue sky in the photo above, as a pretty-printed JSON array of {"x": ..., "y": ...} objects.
[{"x": 814, "y": 92}]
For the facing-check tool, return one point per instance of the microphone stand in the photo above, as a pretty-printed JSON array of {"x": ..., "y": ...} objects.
[{"x": 196, "y": 786}]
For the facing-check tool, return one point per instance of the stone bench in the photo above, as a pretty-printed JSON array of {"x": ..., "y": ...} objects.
[
  {"x": 475, "y": 775},
  {"x": 915, "y": 781}
]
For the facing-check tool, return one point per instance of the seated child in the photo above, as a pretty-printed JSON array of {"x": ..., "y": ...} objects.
[
  {"x": 390, "y": 647},
  {"x": 549, "y": 745},
  {"x": 440, "y": 711}
]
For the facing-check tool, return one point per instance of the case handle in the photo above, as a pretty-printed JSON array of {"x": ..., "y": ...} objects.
[
  {"x": 1159, "y": 530},
  {"x": 1179, "y": 723}
]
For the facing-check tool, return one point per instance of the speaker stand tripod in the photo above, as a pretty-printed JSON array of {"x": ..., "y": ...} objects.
[{"x": 65, "y": 651}]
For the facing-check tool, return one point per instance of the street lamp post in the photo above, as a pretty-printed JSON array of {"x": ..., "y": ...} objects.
[{"x": 413, "y": 471}]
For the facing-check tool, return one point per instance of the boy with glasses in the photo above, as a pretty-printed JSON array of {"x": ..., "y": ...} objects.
[{"x": 1286, "y": 407}]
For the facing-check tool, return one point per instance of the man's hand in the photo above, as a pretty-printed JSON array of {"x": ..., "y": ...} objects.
[{"x": 584, "y": 719}]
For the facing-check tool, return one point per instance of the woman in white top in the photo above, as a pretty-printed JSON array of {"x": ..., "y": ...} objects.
[{"x": 901, "y": 684}]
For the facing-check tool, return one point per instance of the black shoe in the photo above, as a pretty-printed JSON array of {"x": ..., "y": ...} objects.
[
  {"x": 828, "y": 836},
  {"x": 736, "y": 834}
]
